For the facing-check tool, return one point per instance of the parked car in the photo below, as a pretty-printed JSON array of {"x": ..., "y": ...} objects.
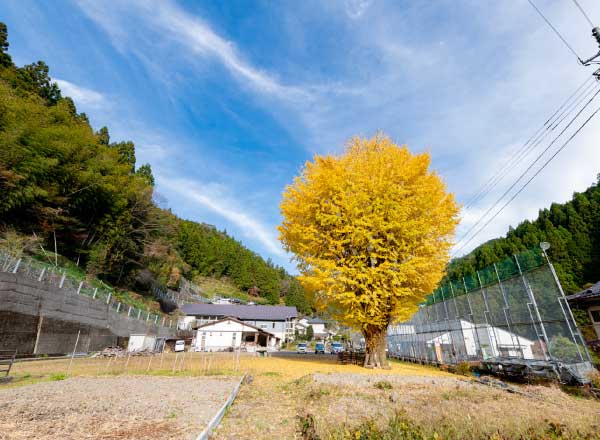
[
  {"x": 180, "y": 345},
  {"x": 319, "y": 348},
  {"x": 336, "y": 348},
  {"x": 301, "y": 348}
]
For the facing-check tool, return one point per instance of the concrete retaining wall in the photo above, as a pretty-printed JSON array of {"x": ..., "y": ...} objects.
[{"x": 36, "y": 318}]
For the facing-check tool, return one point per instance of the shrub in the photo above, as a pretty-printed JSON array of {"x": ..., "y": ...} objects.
[
  {"x": 463, "y": 368},
  {"x": 563, "y": 349},
  {"x": 594, "y": 377},
  {"x": 58, "y": 376},
  {"x": 383, "y": 385}
]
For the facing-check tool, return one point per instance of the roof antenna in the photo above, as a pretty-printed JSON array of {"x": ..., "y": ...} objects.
[{"x": 594, "y": 59}]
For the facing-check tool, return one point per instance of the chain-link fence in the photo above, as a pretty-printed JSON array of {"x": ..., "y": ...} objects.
[
  {"x": 513, "y": 314},
  {"x": 57, "y": 277}
]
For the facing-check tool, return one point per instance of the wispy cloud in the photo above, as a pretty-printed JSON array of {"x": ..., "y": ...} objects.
[
  {"x": 214, "y": 198},
  {"x": 356, "y": 8},
  {"x": 194, "y": 34},
  {"x": 81, "y": 95}
]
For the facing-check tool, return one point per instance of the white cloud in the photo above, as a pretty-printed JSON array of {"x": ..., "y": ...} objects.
[
  {"x": 172, "y": 22},
  {"x": 214, "y": 197},
  {"x": 469, "y": 100},
  {"x": 356, "y": 8},
  {"x": 81, "y": 95}
]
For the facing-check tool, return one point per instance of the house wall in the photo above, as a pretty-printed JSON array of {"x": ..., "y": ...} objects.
[
  {"x": 220, "y": 336},
  {"x": 594, "y": 312},
  {"x": 281, "y": 329}
]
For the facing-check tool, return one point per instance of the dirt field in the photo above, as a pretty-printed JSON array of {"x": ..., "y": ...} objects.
[
  {"x": 134, "y": 407},
  {"x": 289, "y": 396},
  {"x": 314, "y": 402}
]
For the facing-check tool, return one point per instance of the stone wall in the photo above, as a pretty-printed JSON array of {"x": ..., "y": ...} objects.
[{"x": 36, "y": 318}]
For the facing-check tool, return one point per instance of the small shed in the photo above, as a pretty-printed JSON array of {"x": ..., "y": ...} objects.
[{"x": 588, "y": 300}]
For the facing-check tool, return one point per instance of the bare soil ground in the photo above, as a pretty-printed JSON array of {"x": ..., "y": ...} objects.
[
  {"x": 303, "y": 403},
  {"x": 132, "y": 407},
  {"x": 290, "y": 396}
]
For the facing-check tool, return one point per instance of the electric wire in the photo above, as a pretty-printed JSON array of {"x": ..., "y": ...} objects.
[
  {"x": 525, "y": 172},
  {"x": 566, "y": 112},
  {"x": 558, "y": 34},
  {"x": 587, "y": 17},
  {"x": 499, "y": 175},
  {"x": 521, "y": 176},
  {"x": 514, "y": 196}
]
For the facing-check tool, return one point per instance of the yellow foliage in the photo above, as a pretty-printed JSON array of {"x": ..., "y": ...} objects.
[{"x": 371, "y": 230}]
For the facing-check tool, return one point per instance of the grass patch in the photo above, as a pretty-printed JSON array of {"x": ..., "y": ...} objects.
[
  {"x": 271, "y": 373},
  {"x": 57, "y": 376},
  {"x": 383, "y": 385}
]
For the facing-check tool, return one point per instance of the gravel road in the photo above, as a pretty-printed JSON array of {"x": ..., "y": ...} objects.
[{"x": 133, "y": 407}]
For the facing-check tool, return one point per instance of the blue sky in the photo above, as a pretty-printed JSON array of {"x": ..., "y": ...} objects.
[{"x": 227, "y": 100}]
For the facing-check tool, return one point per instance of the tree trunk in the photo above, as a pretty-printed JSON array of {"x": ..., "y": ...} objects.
[{"x": 375, "y": 341}]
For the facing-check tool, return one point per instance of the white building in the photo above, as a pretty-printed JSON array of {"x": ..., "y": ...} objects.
[
  {"x": 279, "y": 321},
  {"x": 319, "y": 330},
  {"x": 231, "y": 334},
  {"x": 466, "y": 337}
]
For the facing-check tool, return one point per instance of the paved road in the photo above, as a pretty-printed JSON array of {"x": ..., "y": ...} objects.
[{"x": 310, "y": 355}]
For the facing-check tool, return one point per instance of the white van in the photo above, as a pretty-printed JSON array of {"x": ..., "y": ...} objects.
[{"x": 180, "y": 345}]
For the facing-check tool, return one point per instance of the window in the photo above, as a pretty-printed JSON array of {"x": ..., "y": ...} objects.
[
  {"x": 273, "y": 325},
  {"x": 595, "y": 315}
]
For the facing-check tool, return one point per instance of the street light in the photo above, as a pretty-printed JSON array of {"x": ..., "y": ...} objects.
[{"x": 545, "y": 246}]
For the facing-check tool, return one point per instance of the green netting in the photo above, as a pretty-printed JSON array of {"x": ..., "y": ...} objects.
[
  {"x": 500, "y": 271},
  {"x": 471, "y": 282}
]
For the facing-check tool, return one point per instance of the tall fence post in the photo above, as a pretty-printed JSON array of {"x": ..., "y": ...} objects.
[
  {"x": 448, "y": 329},
  {"x": 73, "y": 354},
  {"x": 479, "y": 350},
  {"x": 17, "y": 265},
  {"x": 507, "y": 315},
  {"x": 538, "y": 316},
  {"x": 575, "y": 334},
  {"x": 62, "y": 280},
  {"x": 488, "y": 319},
  {"x": 42, "y": 274},
  {"x": 79, "y": 288},
  {"x": 108, "y": 297}
]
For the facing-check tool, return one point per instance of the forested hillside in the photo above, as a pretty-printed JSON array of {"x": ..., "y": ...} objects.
[
  {"x": 573, "y": 231},
  {"x": 67, "y": 187}
]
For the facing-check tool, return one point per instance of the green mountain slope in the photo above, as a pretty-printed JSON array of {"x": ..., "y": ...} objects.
[
  {"x": 69, "y": 188},
  {"x": 571, "y": 228}
]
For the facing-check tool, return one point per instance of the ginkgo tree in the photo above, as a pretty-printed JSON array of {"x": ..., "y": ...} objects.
[{"x": 371, "y": 231}]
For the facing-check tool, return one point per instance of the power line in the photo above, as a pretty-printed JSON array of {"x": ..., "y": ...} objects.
[
  {"x": 534, "y": 176},
  {"x": 558, "y": 34},
  {"x": 492, "y": 182},
  {"x": 553, "y": 127},
  {"x": 583, "y": 12},
  {"x": 521, "y": 176}
]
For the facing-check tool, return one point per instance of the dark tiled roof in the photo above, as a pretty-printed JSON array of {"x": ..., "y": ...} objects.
[
  {"x": 591, "y": 292},
  {"x": 316, "y": 321},
  {"x": 243, "y": 312}
]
